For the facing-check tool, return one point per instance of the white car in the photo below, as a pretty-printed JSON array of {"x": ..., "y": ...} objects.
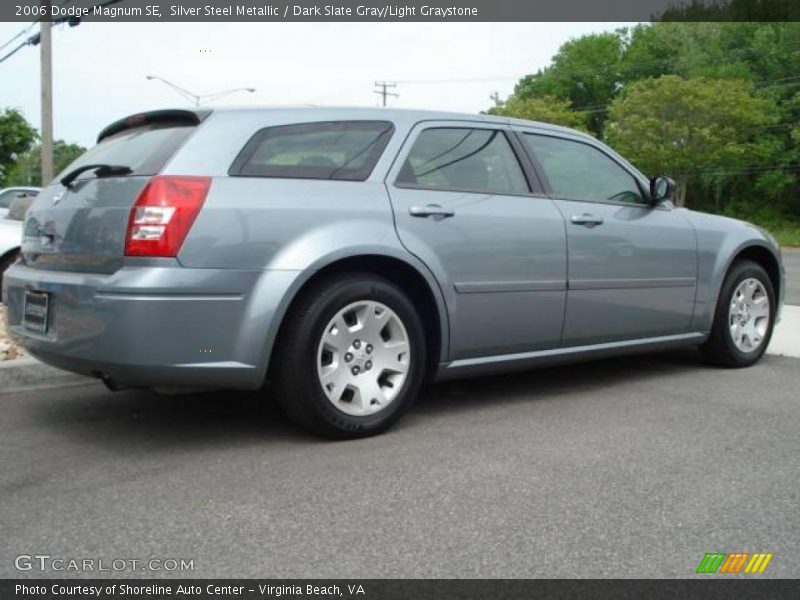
[
  {"x": 14, "y": 203},
  {"x": 8, "y": 195},
  {"x": 10, "y": 240}
]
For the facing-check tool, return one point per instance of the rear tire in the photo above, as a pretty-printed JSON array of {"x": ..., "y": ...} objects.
[
  {"x": 744, "y": 317},
  {"x": 5, "y": 262},
  {"x": 350, "y": 358}
]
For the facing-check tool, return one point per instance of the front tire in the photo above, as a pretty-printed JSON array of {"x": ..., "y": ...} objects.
[
  {"x": 351, "y": 356},
  {"x": 744, "y": 317}
]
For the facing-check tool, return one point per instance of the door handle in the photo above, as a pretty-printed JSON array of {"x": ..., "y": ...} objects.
[
  {"x": 587, "y": 220},
  {"x": 430, "y": 210}
]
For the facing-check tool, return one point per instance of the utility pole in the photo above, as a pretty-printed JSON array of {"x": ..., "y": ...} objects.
[
  {"x": 383, "y": 92},
  {"x": 45, "y": 32}
]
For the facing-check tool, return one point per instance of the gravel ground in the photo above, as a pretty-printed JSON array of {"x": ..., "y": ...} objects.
[{"x": 8, "y": 349}]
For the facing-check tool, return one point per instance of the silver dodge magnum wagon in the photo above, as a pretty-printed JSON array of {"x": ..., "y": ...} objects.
[{"x": 347, "y": 255}]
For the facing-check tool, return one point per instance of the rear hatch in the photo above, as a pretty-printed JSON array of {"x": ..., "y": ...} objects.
[{"x": 82, "y": 227}]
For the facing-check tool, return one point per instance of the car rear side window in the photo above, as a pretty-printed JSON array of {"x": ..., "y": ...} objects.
[
  {"x": 463, "y": 159},
  {"x": 577, "y": 171},
  {"x": 338, "y": 150},
  {"x": 8, "y": 196},
  {"x": 144, "y": 150}
]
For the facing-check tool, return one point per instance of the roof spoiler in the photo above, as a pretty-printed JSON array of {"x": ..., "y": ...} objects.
[{"x": 173, "y": 116}]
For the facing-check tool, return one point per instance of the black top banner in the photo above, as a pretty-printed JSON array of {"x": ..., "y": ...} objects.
[
  {"x": 406, "y": 10},
  {"x": 399, "y": 589}
]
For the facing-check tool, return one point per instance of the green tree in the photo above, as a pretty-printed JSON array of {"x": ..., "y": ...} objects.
[
  {"x": 760, "y": 53},
  {"x": 586, "y": 72},
  {"x": 16, "y": 137},
  {"x": 27, "y": 169},
  {"x": 702, "y": 129},
  {"x": 733, "y": 10},
  {"x": 547, "y": 109},
  {"x": 764, "y": 53}
]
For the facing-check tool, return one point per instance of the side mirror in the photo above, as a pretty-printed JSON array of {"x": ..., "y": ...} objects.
[{"x": 661, "y": 188}]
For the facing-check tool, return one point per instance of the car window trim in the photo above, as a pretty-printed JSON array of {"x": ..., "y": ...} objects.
[
  {"x": 535, "y": 183},
  {"x": 535, "y": 189},
  {"x": 548, "y": 188}
]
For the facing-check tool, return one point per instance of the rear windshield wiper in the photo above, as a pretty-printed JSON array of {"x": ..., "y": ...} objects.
[{"x": 100, "y": 170}]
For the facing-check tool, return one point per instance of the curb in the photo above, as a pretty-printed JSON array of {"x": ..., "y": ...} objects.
[{"x": 28, "y": 374}]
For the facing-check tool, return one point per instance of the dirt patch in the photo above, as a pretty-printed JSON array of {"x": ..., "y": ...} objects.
[{"x": 8, "y": 349}]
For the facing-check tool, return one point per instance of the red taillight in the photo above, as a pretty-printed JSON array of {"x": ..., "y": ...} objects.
[{"x": 163, "y": 215}]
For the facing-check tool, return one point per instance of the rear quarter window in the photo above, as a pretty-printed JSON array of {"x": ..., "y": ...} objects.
[
  {"x": 338, "y": 150},
  {"x": 145, "y": 150}
]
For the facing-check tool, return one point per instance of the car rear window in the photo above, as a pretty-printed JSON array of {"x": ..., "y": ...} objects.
[
  {"x": 145, "y": 150},
  {"x": 7, "y": 197},
  {"x": 340, "y": 150}
]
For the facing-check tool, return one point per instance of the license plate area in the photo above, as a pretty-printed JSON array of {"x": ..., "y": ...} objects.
[{"x": 35, "y": 311}]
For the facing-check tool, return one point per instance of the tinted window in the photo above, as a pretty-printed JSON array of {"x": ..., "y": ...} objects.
[
  {"x": 479, "y": 160},
  {"x": 579, "y": 171},
  {"x": 342, "y": 150},
  {"x": 7, "y": 196},
  {"x": 145, "y": 150}
]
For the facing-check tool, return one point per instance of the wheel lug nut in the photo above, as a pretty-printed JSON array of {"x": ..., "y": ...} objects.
[
  {"x": 348, "y": 357},
  {"x": 369, "y": 348},
  {"x": 368, "y": 365},
  {"x": 356, "y": 370},
  {"x": 357, "y": 344}
]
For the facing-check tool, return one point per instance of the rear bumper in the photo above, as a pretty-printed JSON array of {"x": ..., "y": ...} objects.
[{"x": 154, "y": 326}]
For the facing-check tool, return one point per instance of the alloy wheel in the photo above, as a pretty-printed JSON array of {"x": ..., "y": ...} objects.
[
  {"x": 363, "y": 358},
  {"x": 749, "y": 314}
]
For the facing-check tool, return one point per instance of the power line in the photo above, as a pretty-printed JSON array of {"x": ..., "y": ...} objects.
[
  {"x": 32, "y": 25},
  {"x": 20, "y": 34},
  {"x": 457, "y": 80},
  {"x": 31, "y": 41},
  {"x": 748, "y": 169},
  {"x": 340, "y": 92},
  {"x": 35, "y": 39},
  {"x": 623, "y": 68},
  {"x": 596, "y": 108}
]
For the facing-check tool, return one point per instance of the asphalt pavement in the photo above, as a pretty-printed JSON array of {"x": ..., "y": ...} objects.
[
  {"x": 628, "y": 468},
  {"x": 634, "y": 467}
]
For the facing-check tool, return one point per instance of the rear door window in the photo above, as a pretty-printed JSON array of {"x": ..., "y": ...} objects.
[
  {"x": 145, "y": 150},
  {"x": 463, "y": 159},
  {"x": 340, "y": 150}
]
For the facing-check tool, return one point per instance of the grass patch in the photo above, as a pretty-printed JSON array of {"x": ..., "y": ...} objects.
[
  {"x": 785, "y": 229},
  {"x": 786, "y": 232},
  {"x": 787, "y": 236}
]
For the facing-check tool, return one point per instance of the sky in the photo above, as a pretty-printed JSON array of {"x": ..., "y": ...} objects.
[{"x": 99, "y": 69}]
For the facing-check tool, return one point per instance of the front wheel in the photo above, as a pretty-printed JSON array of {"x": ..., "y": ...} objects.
[
  {"x": 744, "y": 317},
  {"x": 351, "y": 356}
]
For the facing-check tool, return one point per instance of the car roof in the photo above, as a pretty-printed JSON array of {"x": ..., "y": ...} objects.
[
  {"x": 21, "y": 188},
  {"x": 382, "y": 113}
]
